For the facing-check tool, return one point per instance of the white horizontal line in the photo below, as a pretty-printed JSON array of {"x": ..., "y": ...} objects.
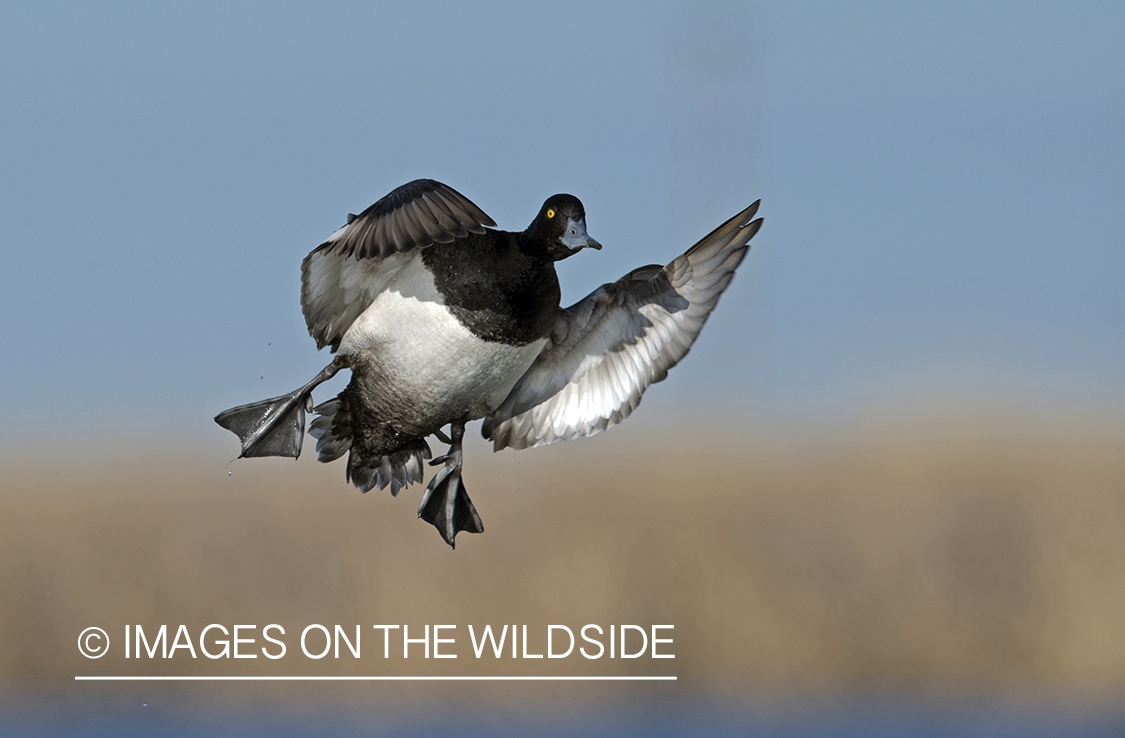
[{"x": 374, "y": 678}]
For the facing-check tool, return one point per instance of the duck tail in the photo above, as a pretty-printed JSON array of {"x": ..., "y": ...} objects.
[
  {"x": 333, "y": 430},
  {"x": 399, "y": 468}
]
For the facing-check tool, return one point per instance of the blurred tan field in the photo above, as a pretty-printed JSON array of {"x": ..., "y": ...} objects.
[{"x": 946, "y": 552}]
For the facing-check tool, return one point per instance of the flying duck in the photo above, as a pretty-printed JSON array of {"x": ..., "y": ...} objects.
[{"x": 443, "y": 320}]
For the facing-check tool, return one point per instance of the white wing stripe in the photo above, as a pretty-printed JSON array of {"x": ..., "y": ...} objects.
[{"x": 611, "y": 346}]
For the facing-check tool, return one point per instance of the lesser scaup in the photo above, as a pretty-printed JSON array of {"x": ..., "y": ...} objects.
[{"x": 443, "y": 320}]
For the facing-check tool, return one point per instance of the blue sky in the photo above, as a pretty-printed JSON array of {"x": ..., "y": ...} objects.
[{"x": 942, "y": 186}]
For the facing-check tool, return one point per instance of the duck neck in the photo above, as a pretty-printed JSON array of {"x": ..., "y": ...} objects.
[{"x": 533, "y": 246}]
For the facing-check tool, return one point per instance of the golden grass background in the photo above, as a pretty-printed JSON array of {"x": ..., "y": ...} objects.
[{"x": 921, "y": 553}]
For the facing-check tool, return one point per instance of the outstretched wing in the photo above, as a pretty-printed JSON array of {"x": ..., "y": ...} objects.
[
  {"x": 607, "y": 349},
  {"x": 414, "y": 216},
  {"x": 341, "y": 277}
]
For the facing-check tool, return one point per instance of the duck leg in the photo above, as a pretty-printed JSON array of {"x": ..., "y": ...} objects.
[
  {"x": 274, "y": 427},
  {"x": 446, "y": 504}
]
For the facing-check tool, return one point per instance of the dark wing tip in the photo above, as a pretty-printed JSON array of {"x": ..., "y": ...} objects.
[
  {"x": 752, "y": 229},
  {"x": 739, "y": 227}
]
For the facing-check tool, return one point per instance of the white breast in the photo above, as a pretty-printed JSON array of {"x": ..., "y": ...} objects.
[{"x": 423, "y": 354}]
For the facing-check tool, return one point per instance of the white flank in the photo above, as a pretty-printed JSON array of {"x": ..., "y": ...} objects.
[{"x": 426, "y": 356}]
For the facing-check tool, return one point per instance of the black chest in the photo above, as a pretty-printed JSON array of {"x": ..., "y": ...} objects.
[{"x": 495, "y": 290}]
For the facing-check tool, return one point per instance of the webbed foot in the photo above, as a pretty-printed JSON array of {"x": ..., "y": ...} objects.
[
  {"x": 274, "y": 427},
  {"x": 446, "y": 504}
]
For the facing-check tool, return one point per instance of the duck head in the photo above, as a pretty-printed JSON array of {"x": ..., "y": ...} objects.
[{"x": 560, "y": 228}]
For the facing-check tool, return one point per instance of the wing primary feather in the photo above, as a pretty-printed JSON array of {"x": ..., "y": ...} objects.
[
  {"x": 478, "y": 217},
  {"x": 415, "y": 215},
  {"x": 397, "y": 238},
  {"x": 608, "y": 348},
  {"x": 464, "y": 223},
  {"x": 427, "y": 220},
  {"x": 414, "y": 230}
]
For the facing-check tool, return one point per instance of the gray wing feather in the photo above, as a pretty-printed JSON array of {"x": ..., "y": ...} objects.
[
  {"x": 342, "y": 276},
  {"x": 414, "y": 216},
  {"x": 607, "y": 349},
  {"x": 335, "y": 290}
]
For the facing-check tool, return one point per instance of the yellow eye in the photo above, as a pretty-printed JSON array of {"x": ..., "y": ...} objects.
[{"x": 550, "y": 213}]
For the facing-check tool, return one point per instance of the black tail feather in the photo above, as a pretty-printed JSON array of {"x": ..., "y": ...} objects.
[
  {"x": 399, "y": 468},
  {"x": 332, "y": 429}
]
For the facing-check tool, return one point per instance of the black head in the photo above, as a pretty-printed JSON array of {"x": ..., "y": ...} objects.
[{"x": 560, "y": 227}]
